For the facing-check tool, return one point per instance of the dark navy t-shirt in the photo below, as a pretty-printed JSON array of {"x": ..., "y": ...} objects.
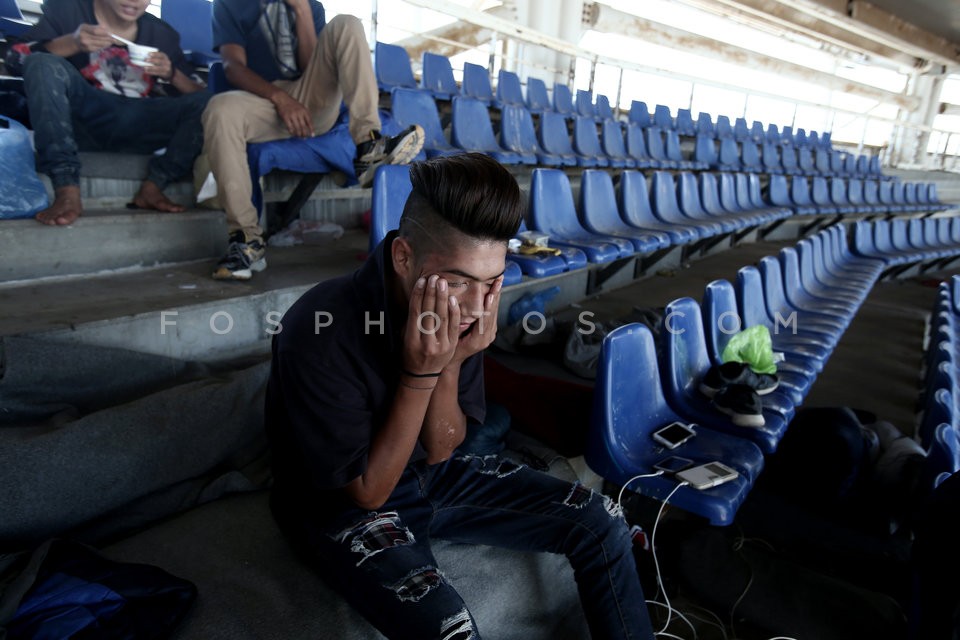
[
  {"x": 335, "y": 370},
  {"x": 266, "y": 30}
]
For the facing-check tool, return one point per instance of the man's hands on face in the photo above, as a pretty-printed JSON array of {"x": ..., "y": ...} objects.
[
  {"x": 295, "y": 116},
  {"x": 483, "y": 331},
  {"x": 433, "y": 323}
]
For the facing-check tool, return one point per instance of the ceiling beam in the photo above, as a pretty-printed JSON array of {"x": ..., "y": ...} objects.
[{"x": 606, "y": 19}]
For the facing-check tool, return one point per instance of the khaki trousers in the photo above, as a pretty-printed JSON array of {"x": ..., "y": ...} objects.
[{"x": 340, "y": 69}]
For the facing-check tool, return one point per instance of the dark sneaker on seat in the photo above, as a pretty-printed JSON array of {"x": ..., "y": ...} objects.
[
  {"x": 741, "y": 403},
  {"x": 399, "y": 149},
  {"x": 737, "y": 373},
  {"x": 242, "y": 259}
]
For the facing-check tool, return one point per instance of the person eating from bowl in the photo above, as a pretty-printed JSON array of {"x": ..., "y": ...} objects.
[{"x": 104, "y": 75}]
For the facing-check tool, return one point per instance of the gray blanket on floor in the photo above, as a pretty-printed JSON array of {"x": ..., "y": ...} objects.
[{"x": 138, "y": 454}]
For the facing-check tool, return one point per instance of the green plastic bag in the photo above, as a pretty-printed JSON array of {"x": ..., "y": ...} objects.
[{"x": 754, "y": 347}]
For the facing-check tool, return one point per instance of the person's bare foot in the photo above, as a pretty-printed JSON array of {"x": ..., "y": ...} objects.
[
  {"x": 150, "y": 197},
  {"x": 66, "y": 207}
]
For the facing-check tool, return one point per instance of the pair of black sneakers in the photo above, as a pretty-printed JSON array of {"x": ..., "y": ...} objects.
[{"x": 736, "y": 389}]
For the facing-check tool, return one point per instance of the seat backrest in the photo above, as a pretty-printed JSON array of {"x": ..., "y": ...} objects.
[
  {"x": 740, "y": 130},
  {"x": 788, "y": 158},
  {"x": 756, "y": 132},
  {"x": 710, "y": 192},
  {"x": 438, "y": 74},
  {"x": 612, "y": 139},
  {"x": 786, "y": 134},
  {"x": 392, "y": 64},
  {"x": 628, "y": 400},
  {"x": 636, "y": 147},
  {"x": 773, "y": 133},
  {"x": 886, "y": 192},
  {"x": 705, "y": 125},
  {"x": 871, "y": 192},
  {"x": 585, "y": 140},
  {"x": 10, "y": 9},
  {"x": 191, "y": 18},
  {"x": 825, "y": 140},
  {"x": 800, "y": 191},
  {"x": 724, "y": 130},
  {"x": 771, "y": 157},
  {"x": 537, "y": 99},
  {"x": 391, "y": 187},
  {"x": 910, "y": 192},
  {"x": 662, "y": 117},
  {"x": 836, "y": 162},
  {"x": 771, "y": 276},
  {"x": 639, "y": 114},
  {"x": 813, "y": 139},
  {"x": 863, "y": 165},
  {"x": 598, "y": 202},
  {"x": 562, "y": 99},
  {"x": 899, "y": 236},
  {"x": 743, "y": 192},
  {"x": 779, "y": 192},
  {"x": 705, "y": 149},
  {"x": 753, "y": 188},
  {"x": 721, "y": 319},
  {"x": 553, "y": 134},
  {"x": 728, "y": 193},
  {"x": 584, "y": 104},
  {"x": 850, "y": 164},
  {"x": 471, "y": 129},
  {"x": 476, "y": 83},
  {"x": 822, "y": 161},
  {"x": 411, "y": 106},
  {"x": 509, "y": 90},
  {"x": 672, "y": 146},
  {"x": 634, "y": 200},
  {"x": 805, "y": 160},
  {"x": 551, "y": 204},
  {"x": 750, "y": 300},
  {"x": 603, "y": 107},
  {"x": 685, "y": 126},
  {"x": 838, "y": 191},
  {"x": 855, "y": 191},
  {"x": 654, "y": 138},
  {"x": 820, "y": 192},
  {"x": 749, "y": 155},
  {"x": 915, "y": 233},
  {"x": 664, "y": 201},
  {"x": 873, "y": 167},
  {"x": 729, "y": 153},
  {"x": 685, "y": 349},
  {"x": 516, "y": 130},
  {"x": 800, "y": 137},
  {"x": 689, "y": 196}
]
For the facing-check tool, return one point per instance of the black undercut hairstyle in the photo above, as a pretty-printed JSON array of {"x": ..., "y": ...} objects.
[{"x": 471, "y": 193}]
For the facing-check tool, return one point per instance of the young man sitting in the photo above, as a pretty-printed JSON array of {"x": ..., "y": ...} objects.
[
  {"x": 87, "y": 92},
  {"x": 292, "y": 72},
  {"x": 374, "y": 378}
]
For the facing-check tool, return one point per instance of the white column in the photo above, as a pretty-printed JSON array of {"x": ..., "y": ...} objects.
[{"x": 910, "y": 145}]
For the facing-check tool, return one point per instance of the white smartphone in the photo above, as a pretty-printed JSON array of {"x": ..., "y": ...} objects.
[
  {"x": 707, "y": 475},
  {"x": 674, "y": 434}
]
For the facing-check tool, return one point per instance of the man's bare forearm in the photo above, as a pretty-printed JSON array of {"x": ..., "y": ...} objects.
[{"x": 444, "y": 427}]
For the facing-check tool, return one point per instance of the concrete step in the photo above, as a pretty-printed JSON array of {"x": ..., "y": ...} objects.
[{"x": 109, "y": 240}]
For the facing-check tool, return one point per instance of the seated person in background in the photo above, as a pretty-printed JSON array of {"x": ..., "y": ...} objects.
[
  {"x": 374, "y": 378},
  {"x": 293, "y": 73},
  {"x": 86, "y": 94}
]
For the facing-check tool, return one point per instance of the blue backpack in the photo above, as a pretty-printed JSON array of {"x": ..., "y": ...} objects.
[{"x": 22, "y": 194}]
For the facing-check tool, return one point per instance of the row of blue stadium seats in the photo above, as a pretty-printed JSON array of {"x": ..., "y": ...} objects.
[
  {"x": 806, "y": 297},
  {"x": 907, "y": 242},
  {"x": 734, "y": 155},
  {"x": 838, "y": 195},
  {"x": 612, "y": 223},
  {"x": 393, "y": 70}
]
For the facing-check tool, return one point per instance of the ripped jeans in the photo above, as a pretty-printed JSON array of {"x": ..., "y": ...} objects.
[{"x": 382, "y": 564}]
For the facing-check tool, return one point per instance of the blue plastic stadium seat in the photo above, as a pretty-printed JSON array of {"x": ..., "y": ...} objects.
[
  {"x": 611, "y": 141},
  {"x": 518, "y": 135},
  {"x": 686, "y": 361},
  {"x": 12, "y": 22},
  {"x": 584, "y": 104},
  {"x": 740, "y": 130},
  {"x": 438, "y": 76},
  {"x": 800, "y": 194},
  {"x": 192, "y": 20},
  {"x": 625, "y": 415},
  {"x": 837, "y": 160},
  {"x": 410, "y": 106},
  {"x": 552, "y": 211},
  {"x": 838, "y": 195},
  {"x": 729, "y": 157},
  {"x": 813, "y": 139},
  {"x": 849, "y": 165},
  {"x": 705, "y": 150},
  {"x": 554, "y": 138},
  {"x": 471, "y": 130},
  {"x": 788, "y": 160},
  {"x": 509, "y": 90},
  {"x": 705, "y": 125},
  {"x": 684, "y": 123},
  {"x": 786, "y": 135},
  {"x": 771, "y": 158},
  {"x": 587, "y": 144},
  {"x": 391, "y": 187},
  {"x": 666, "y": 207},
  {"x": 637, "y": 148},
  {"x": 756, "y": 132},
  {"x": 537, "y": 100},
  {"x": 724, "y": 130},
  {"x": 675, "y": 155},
  {"x": 773, "y": 133},
  {"x": 639, "y": 114},
  {"x": 821, "y": 163},
  {"x": 392, "y": 66},
  {"x": 805, "y": 162},
  {"x": 662, "y": 117},
  {"x": 600, "y": 215},
  {"x": 634, "y": 200},
  {"x": 604, "y": 111},
  {"x": 688, "y": 198},
  {"x": 476, "y": 83},
  {"x": 820, "y": 195},
  {"x": 653, "y": 136},
  {"x": 855, "y": 195},
  {"x": 563, "y": 100},
  {"x": 750, "y": 157},
  {"x": 800, "y": 138}
]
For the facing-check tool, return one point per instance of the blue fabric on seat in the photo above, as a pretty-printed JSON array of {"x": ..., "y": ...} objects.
[
  {"x": 438, "y": 77},
  {"x": 626, "y": 413},
  {"x": 410, "y": 106},
  {"x": 685, "y": 362},
  {"x": 600, "y": 215},
  {"x": 552, "y": 212},
  {"x": 392, "y": 66},
  {"x": 471, "y": 130},
  {"x": 476, "y": 83}
]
